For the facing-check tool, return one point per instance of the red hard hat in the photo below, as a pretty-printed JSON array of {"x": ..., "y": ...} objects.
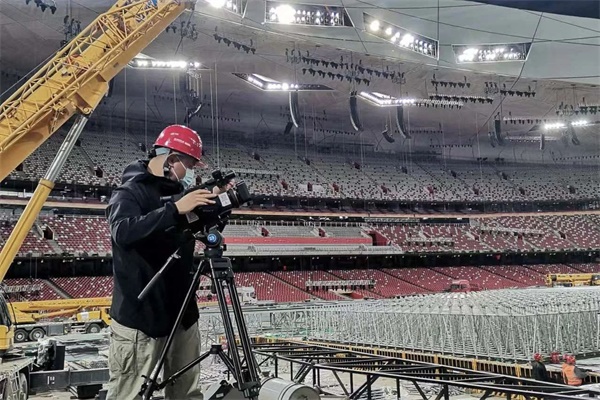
[
  {"x": 570, "y": 359},
  {"x": 537, "y": 357},
  {"x": 181, "y": 139}
]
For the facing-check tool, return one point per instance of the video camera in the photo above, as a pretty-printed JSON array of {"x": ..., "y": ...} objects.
[{"x": 203, "y": 218}]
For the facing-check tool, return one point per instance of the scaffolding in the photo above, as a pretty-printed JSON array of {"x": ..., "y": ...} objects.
[
  {"x": 275, "y": 321},
  {"x": 499, "y": 324}
]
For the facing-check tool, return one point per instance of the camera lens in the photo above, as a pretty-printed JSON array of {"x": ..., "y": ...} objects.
[{"x": 233, "y": 197}]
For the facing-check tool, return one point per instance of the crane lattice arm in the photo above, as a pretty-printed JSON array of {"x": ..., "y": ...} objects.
[
  {"x": 73, "y": 81},
  {"x": 76, "y": 78}
]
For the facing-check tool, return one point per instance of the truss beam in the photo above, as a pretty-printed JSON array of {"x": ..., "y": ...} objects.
[{"x": 320, "y": 358}]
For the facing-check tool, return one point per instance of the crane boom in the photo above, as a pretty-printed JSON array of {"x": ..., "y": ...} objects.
[
  {"x": 73, "y": 81},
  {"x": 76, "y": 78}
]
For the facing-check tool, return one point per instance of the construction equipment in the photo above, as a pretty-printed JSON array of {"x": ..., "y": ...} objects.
[
  {"x": 36, "y": 319},
  {"x": 73, "y": 82},
  {"x": 463, "y": 285},
  {"x": 569, "y": 280}
]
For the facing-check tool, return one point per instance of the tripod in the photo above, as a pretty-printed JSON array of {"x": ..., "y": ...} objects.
[{"x": 244, "y": 371}]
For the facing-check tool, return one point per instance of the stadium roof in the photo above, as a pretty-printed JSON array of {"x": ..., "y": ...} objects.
[{"x": 562, "y": 66}]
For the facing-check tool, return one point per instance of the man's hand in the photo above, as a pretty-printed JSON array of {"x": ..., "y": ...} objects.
[
  {"x": 219, "y": 190},
  {"x": 194, "y": 199}
]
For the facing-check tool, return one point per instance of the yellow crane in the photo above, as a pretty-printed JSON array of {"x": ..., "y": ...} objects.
[
  {"x": 583, "y": 279},
  {"x": 35, "y": 319},
  {"x": 73, "y": 82}
]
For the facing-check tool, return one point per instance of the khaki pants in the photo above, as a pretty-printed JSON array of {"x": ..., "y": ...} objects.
[{"x": 133, "y": 354}]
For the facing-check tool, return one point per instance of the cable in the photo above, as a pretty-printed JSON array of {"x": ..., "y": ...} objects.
[
  {"x": 174, "y": 54},
  {"x": 514, "y": 83}
]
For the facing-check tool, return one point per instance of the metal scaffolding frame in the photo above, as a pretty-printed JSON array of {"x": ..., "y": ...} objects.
[
  {"x": 312, "y": 360},
  {"x": 288, "y": 320},
  {"x": 501, "y": 324}
]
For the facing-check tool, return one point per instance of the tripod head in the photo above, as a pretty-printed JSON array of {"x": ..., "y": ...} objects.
[{"x": 213, "y": 240}]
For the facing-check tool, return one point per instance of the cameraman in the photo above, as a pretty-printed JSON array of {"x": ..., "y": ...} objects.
[{"x": 145, "y": 231}]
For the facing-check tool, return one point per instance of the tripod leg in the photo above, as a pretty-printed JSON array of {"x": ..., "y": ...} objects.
[
  {"x": 218, "y": 277},
  {"x": 151, "y": 385},
  {"x": 226, "y": 360},
  {"x": 183, "y": 370},
  {"x": 248, "y": 380},
  {"x": 243, "y": 331}
]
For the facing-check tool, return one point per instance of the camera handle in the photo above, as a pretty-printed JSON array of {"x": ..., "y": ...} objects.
[
  {"x": 166, "y": 265},
  {"x": 159, "y": 274}
]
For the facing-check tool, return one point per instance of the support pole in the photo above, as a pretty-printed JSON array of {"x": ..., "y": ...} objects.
[{"x": 45, "y": 186}]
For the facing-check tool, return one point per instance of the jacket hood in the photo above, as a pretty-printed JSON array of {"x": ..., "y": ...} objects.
[{"x": 137, "y": 171}]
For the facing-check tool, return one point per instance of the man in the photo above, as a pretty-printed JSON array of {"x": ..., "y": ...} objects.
[
  {"x": 538, "y": 369},
  {"x": 145, "y": 231},
  {"x": 572, "y": 375}
]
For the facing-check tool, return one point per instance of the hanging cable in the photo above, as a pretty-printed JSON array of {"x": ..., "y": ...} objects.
[
  {"x": 212, "y": 114},
  {"x": 175, "y": 97},
  {"x": 217, "y": 116},
  {"x": 146, "y": 110}
]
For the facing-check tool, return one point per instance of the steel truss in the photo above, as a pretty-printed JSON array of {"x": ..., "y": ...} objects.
[
  {"x": 272, "y": 320},
  {"x": 503, "y": 324},
  {"x": 307, "y": 360}
]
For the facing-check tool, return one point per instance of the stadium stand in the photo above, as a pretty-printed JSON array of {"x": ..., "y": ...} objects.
[
  {"x": 80, "y": 235},
  {"x": 517, "y": 274},
  {"x": 290, "y": 286},
  {"x": 269, "y": 287},
  {"x": 111, "y": 153},
  {"x": 89, "y": 236},
  {"x": 425, "y": 278},
  {"x": 385, "y": 285},
  {"x": 555, "y": 268},
  {"x": 484, "y": 278},
  {"x": 588, "y": 268},
  {"x": 282, "y": 172},
  {"x": 47, "y": 292},
  {"x": 85, "y": 286},
  {"x": 33, "y": 243},
  {"x": 298, "y": 279}
]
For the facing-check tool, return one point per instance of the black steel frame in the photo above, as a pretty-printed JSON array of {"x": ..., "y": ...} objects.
[{"x": 313, "y": 359}]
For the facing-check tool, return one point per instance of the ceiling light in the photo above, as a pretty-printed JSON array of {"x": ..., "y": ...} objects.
[
  {"x": 486, "y": 53},
  {"x": 401, "y": 38},
  {"x": 580, "y": 122},
  {"x": 285, "y": 14},
  {"x": 306, "y": 14},
  {"x": 384, "y": 100},
  {"x": 235, "y": 6},
  {"x": 407, "y": 40},
  {"x": 217, "y": 3},
  {"x": 150, "y": 63},
  {"x": 271, "y": 85},
  {"x": 557, "y": 125},
  {"x": 374, "y": 26}
]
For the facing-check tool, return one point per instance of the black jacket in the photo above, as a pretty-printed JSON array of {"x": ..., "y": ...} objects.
[
  {"x": 144, "y": 233},
  {"x": 538, "y": 371}
]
